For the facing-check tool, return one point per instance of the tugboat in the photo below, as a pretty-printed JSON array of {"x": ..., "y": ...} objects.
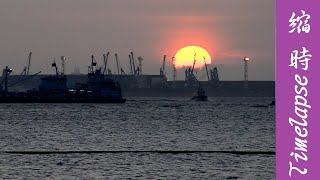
[
  {"x": 200, "y": 94},
  {"x": 53, "y": 89},
  {"x": 273, "y": 103}
]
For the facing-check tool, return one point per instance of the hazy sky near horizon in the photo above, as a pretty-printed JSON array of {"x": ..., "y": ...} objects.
[{"x": 227, "y": 29}]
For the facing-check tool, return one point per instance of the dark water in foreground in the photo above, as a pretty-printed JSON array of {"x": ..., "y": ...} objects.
[{"x": 142, "y": 124}]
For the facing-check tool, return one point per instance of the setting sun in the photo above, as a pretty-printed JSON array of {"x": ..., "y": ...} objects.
[{"x": 185, "y": 57}]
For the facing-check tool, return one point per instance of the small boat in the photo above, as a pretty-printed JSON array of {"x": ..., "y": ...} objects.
[
  {"x": 199, "y": 95},
  {"x": 273, "y": 103}
]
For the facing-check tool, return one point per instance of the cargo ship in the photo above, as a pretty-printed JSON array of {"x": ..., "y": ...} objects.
[{"x": 53, "y": 89}]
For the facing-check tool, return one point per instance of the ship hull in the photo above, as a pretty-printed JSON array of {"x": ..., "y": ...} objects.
[
  {"x": 35, "y": 100},
  {"x": 199, "y": 98}
]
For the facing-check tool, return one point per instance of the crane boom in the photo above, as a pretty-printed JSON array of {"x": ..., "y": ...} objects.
[
  {"x": 130, "y": 64},
  {"x": 24, "y": 71},
  {"x": 194, "y": 62},
  {"x": 122, "y": 72},
  {"x": 164, "y": 63},
  {"x": 104, "y": 62},
  {"x": 133, "y": 64},
  {"x": 105, "y": 59},
  {"x": 117, "y": 62},
  {"x": 174, "y": 69},
  {"x": 205, "y": 64},
  {"x": 29, "y": 62}
]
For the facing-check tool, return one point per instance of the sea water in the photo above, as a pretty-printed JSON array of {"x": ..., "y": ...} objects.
[{"x": 204, "y": 136}]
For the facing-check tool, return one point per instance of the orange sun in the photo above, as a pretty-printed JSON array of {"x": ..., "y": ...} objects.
[{"x": 185, "y": 57}]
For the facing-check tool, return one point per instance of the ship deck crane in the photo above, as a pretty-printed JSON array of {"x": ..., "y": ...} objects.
[
  {"x": 21, "y": 81},
  {"x": 26, "y": 69}
]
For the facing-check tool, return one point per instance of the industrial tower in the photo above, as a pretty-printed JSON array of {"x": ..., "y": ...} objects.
[
  {"x": 246, "y": 60},
  {"x": 174, "y": 69},
  {"x": 63, "y": 65},
  {"x": 140, "y": 59}
]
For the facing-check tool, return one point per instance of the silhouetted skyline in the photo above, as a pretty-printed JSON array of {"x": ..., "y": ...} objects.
[{"x": 228, "y": 30}]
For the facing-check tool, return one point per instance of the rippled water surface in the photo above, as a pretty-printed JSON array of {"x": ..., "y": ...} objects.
[{"x": 141, "y": 124}]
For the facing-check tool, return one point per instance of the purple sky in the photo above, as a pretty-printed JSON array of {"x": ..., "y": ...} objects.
[{"x": 76, "y": 29}]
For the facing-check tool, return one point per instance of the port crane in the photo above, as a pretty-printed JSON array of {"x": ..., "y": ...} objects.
[
  {"x": 131, "y": 70},
  {"x": 215, "y": 77},
  {"x": 190, "y": 77},
  {"x": 24, "y": 71},
  {"x": 205, "y": 64},
  {"x": 137, "y": 72},
  {"x": 116, "y": 55},
  {"x": 174, "y": 69},
  {"x": 105, "y": 60},
  {"x": 134, "y": 70},
  {"x": 93, "y": 64},
  {"x": 162, "y": 70},
  {"x": 122, "y": 72},
  {"x": 133, "y": 64},
  {"x": 140, "y": 59},
  {"x": 29, "y": 61},
  {"x": 108, "y": 70},
  {"x": 119, "y": 68},
  {"x": 54, "y": 64},
  {"x": 194, "y": 63}
]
